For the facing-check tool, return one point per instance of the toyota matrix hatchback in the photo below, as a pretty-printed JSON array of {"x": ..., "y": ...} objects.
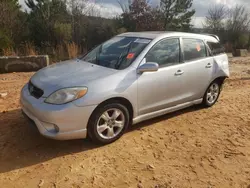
[{"x": 128, "y": 79}]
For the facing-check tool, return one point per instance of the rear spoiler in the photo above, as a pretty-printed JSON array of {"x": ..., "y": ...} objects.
[{"x": 212, "y": 35}]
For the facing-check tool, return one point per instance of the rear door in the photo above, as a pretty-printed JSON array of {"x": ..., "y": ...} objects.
[{"x": 197, "y": 68}]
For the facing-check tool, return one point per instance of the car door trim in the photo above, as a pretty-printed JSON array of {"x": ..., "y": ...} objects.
[{"x": 154, "y": 114}]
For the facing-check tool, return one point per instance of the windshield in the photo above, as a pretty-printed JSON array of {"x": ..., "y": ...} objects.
[{"x": 117, "y": 53}]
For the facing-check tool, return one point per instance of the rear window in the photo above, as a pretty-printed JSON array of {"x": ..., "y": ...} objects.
[
  {"x": 216, "y": 48},
  {"x": 194, "y": 49}
]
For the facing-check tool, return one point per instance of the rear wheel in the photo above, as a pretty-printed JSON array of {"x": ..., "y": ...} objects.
[
  {"x": 108, "y": 123},
  {"x": 212, "y": 94}
]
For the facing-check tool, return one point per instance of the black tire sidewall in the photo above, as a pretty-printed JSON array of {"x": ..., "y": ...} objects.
[{"x": 92, "y": 125}]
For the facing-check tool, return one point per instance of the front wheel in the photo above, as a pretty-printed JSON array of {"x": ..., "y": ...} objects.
[
  {"x": 108, "y": 123},
  {"x": 212, "y": 94}
]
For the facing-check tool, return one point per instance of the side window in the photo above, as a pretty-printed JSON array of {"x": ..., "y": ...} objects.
[
  {"x": 165, "y": 52},
  {"x": 216, "y": 48},
  {"x": 194, "y": 49}
]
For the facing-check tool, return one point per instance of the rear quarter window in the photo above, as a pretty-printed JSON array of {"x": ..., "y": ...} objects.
[{"x": 216, "y": 48}]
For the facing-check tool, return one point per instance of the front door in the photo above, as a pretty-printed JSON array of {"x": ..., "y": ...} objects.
[{"x": 161, "y": 89}]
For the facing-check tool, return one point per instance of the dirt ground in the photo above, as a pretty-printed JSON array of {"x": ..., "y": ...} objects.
[{"x": 194, "y": 147}]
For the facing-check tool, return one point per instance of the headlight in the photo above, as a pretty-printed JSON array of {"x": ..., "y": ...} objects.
[{"x": 66, "y": 95}]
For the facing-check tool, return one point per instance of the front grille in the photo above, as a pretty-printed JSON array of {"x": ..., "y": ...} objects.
[{"x": 35, "y": 91}]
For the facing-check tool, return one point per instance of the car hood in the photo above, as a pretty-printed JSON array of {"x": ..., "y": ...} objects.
[{"x": 68, "y": 74}]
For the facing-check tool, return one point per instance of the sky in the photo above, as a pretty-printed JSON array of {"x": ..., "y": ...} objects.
[{"x": 109, "y": 8}]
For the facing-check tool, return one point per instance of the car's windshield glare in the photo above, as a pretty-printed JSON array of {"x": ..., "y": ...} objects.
[{"x": 117, "y": 53}]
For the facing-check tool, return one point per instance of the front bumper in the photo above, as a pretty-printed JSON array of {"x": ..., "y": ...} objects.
[{"x": 69, "y": 120}]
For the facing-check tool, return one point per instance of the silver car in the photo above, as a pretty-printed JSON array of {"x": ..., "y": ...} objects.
[{"x": 128, "y": 79}]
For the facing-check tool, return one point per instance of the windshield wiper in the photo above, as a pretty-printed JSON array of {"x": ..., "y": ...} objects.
[{"x": 122, "y": 56}]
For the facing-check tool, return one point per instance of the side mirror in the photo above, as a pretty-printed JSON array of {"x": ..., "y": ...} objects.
[{"x": 148, "y": 67}]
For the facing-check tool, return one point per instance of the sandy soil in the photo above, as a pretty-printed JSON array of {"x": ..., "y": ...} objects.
[{"x": 191, "y": 148}]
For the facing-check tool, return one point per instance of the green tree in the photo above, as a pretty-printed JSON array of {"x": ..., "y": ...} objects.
[
  {"x": 177, "y": 14},
  {"x": 11, "y": 25},
  {"x": 238, "y": 24},
  {"x": 78, "y": 20},
  {"x": 45, "y": 19},
  {"x": 140, "y": 16},
  {"x": 215, "y": 19},
  {"x": 98, "y": 30}
]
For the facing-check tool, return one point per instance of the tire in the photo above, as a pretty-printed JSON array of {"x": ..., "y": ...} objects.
[
  {"x": 104, "y": 120},
  {"x": 212, "y": 94}
]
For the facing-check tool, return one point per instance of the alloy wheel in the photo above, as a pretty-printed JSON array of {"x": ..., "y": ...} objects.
[
  {"x": 213, "y": 93},
  {"x": 110, "y": 123}
]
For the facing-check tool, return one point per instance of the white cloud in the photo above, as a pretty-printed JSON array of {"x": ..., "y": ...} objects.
[
  {"x": 22, "y": 3},
  {"x": 198, "y": 21},
  {"x": 105, "y": 10}
]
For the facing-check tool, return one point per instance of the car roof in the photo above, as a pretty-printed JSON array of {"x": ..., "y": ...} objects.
[
  {"x": 145, "y": 34},
  {"x": 156, "y": 34}
]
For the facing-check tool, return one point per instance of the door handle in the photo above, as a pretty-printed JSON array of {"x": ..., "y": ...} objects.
[
  {"x": 179, "y": 72},
  {"x": 209, "y": 65}
]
